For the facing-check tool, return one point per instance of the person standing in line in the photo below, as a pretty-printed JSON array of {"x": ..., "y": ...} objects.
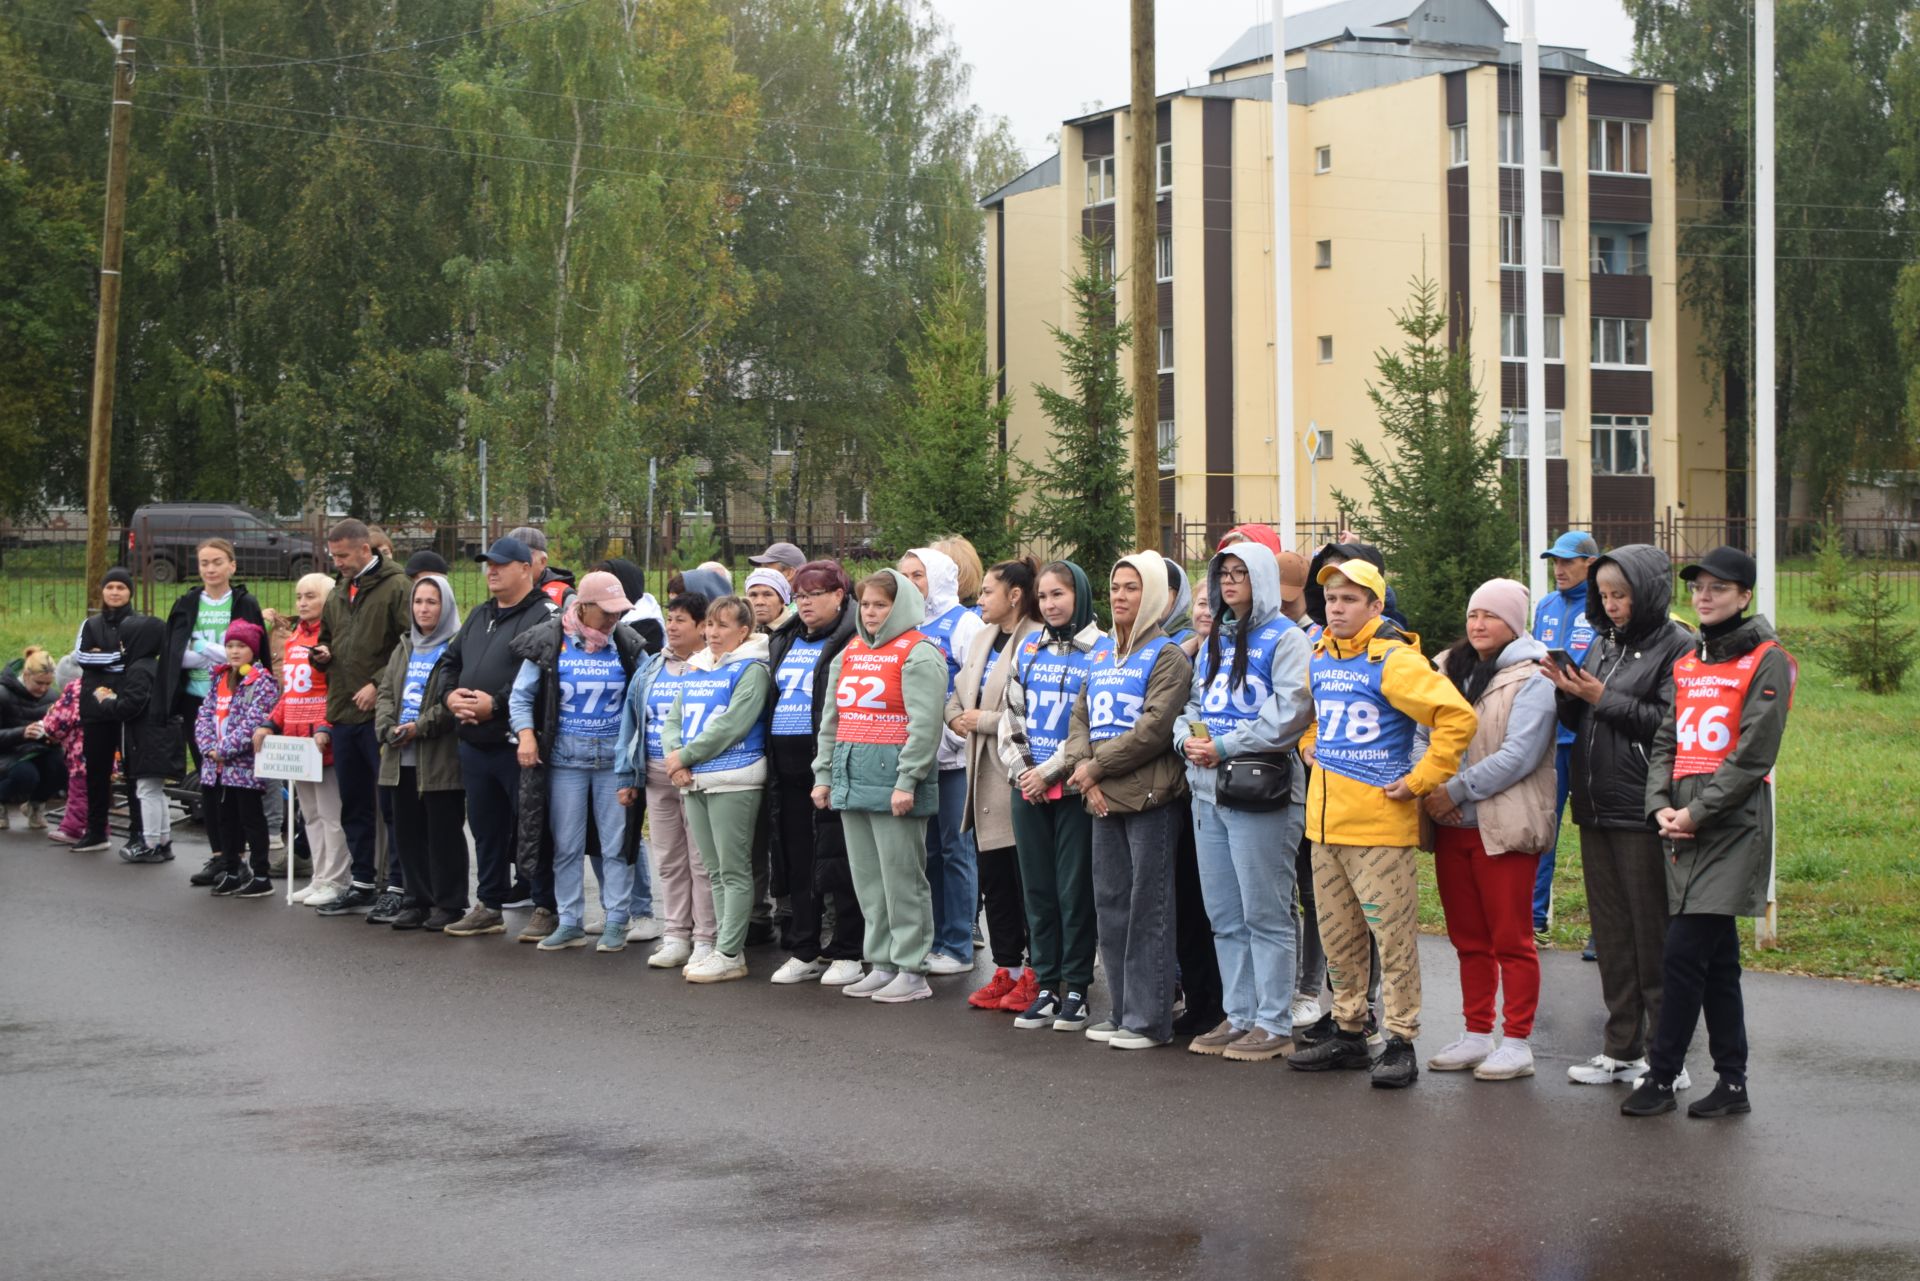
[
  {"x": 1371, "y": 688},
  {"x": 241, "y": 697},
  {"x": 302, "y": 713},
  {"x": 685, "y": 888},
  {"x": 1614, "y": 702},
  {"x": 810, "y": 840},
  {"x": 564, "y": 710},
  {"x": 875, "y": 767},
  {"x": 1052, "y": 830},
  {"x": 783, "y": 558},
  {"x": 102, "y": 665},
  {"x": 480, "y": 667},
  {"x": 151, "y": 747},
  {"x": 1486, "y": 827},
  {"x": 1561, "y": 622},
  {"x": 363, "y": 618},
  {"x": 770, "y": 596},
  {"x": 1710, "y": 789},
  {"x": 1198, "y": 993},
  {"x": 420, "y": 762},
  {"x": 555, "y": 584},
  {"x": 1011, "y": 611},
  {"x": 715, "y": 740},
  {"x": 1310, "y": 959},
  {"x": 1129, "y": 776},
  {"x": 196, "y": 644},
  {"x": 1248, "y": 699},
  {"x": 953, "y": 871}
]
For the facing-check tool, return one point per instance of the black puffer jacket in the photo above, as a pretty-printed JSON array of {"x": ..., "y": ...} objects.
[
  {"x": 19, "y": 709},
  {"x": 540, "y": 645},
  {"x": 1611, "y": 738},
  {"x": 789, "y": 757}
]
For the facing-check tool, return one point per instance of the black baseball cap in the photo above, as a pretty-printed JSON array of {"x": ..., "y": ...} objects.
[
  {"x": 507, "y": 550},
  {"x": 427, "y": 561},
  {"x": 1728, "y": 564}
]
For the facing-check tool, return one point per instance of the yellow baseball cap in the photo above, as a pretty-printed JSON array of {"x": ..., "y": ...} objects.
[{"x": 1362, "y": 572}]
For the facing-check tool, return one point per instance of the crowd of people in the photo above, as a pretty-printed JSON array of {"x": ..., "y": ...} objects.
[{"x": 1215, "y": 799}]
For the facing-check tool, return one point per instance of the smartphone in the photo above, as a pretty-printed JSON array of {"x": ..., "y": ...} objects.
[{"x": 1564, "y": 660}]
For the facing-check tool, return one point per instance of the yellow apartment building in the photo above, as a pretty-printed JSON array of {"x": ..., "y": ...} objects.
[{"x": 1405, "y": 156}]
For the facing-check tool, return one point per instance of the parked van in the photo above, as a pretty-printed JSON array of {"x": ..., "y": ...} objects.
[{"x": 162, "y": 538}]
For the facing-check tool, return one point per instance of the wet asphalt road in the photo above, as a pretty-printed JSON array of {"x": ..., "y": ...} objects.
[{"x": 199, "y": 1087}]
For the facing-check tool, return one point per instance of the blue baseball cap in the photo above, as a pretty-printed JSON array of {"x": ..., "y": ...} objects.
[
  {"x": 1572, "y": 545},
  {"x": 507, "y": 550}
]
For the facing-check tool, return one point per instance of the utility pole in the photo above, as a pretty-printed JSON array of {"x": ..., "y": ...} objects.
[
  {"x": 1284, "y": 441},
  {"x": 1143, "y": 185},
  {"x": 1766, "y": 930},
  {"x": 106, "y": 343},
  {"x": 1533, "y": 241}
]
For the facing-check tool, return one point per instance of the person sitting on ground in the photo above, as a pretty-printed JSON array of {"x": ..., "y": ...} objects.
[{"x": 30, "y": 765}]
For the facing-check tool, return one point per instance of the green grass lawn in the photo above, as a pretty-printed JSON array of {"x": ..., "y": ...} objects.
[{"x": 1849, "y": 869}]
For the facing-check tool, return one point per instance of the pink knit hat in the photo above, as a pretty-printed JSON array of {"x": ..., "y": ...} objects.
[{"x": 1505, "y": 599}]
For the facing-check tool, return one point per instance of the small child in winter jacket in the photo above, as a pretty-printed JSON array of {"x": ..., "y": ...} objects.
[{"x": 243, "y": 695}]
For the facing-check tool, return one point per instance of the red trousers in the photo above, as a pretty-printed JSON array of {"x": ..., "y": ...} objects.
[{"x": 1488, "y": 899}]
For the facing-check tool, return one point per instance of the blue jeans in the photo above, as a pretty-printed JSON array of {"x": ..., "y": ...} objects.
[
  {"x": 581, "y": 775},
  {"x": 1543, "y": 879},
  {"x": 953, "y": 870},
  {"x": 640, "y": 902},
  {"x": 1247, "y": 866}
]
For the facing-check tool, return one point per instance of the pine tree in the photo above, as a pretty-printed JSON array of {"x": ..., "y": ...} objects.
[
  {"x": 1830, "y": 570},
  {"x": 944, "y": 466},
  {"x": 1874, "y": 650},
  {"x": 1083, "y": 493},
  {"x": 1435, "y": 502}
]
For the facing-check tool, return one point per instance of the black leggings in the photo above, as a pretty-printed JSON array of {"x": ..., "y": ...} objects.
[
  {"x": 1701, "y": 973},
  {"x": 1006, "y": 907},
  {"x": 99, "y": 740},
  {"x": 240, "y": 816},
  {"x": 429, "y": 831}
]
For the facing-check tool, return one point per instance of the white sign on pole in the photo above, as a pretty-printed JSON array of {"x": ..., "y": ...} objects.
[{"x": 297, "y": 759}]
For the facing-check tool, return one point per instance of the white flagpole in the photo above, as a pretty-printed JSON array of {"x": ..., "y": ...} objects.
[
  {"x": 1533, "y": 240},
  {"x": 1286, "y": 443}
]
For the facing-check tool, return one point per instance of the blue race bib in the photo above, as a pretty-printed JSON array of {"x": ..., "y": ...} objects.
[
  {"x": 593, "y": 688},
  {"x": 1359, "y": 734},
  {"x": 1117, "y": 692},
  {"x": 793, "y": 689},
  {"x": 660, "y": 696},
  {"x": 1052, "y": 682},
  {"x": 704, "y": 695},
  {"x": 1224, "y": 708},
  {"x": 419, "y": 668},
  {"x": 940, "y": 632}
]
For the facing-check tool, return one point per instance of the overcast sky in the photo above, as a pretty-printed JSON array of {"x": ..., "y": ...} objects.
[{"x": 1038, "y": 62}]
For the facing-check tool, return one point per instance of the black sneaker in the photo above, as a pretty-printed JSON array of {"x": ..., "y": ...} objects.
[
  {"x": 1587, "y": 953},
  {"x": 256, "y": 887},
  {"x": 410, "y": 918},
  {"x": 1649, "y": 1098},
  {"x": 439, "y": 919},
  {"x": 360, "y": 898},
  {"x": 1073, "y": 1015},
  {"x": 232, "y": 883},
  {"x": 388, "y": 907},
  {"x": 1729, "y": 1098},
  {"x": 134, "y": 851},
  {"x": 1343, "y": 1049},
  {"x": 1397, "y": 1068},
  {"x": 1308, "y": 1037},
  {"x": 1041, "y": 1013},
  {"x": 209, "y": 874},
  {"x": 91, "y": 844}
]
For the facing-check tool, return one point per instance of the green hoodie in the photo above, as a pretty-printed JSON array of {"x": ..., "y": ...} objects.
[{"x": 864, "y": 776}]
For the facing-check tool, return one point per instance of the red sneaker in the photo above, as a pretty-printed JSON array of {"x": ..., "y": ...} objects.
[
  {"x": 1022, "y": 994},
  {"x": 991, "y": 996}
]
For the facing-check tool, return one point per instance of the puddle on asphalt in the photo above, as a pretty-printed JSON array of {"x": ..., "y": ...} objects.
[{"x": 118, "y": 1064}]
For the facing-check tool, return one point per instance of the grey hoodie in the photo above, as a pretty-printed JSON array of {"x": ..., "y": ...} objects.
[
  {"x": 1532, "y": 727},
  {"x": 1288, "y": 708}
]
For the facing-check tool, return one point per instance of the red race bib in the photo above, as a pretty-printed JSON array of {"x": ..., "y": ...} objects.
[
  {"x": 1707, "y": 698},
  {"x": 871, "y": 704}
]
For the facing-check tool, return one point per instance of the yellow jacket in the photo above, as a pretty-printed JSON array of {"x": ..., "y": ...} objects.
[{"x": 1345, "y": 811}]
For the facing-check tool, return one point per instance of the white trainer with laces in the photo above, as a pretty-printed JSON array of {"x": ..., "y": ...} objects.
[
  {"x": 1512, "y": 1060},
  {"x": 941, "y": 963},
  {"x": 1306, "y": 1010},
  {"x": 842, "y": 973},
  {"x": 643, "y": 929},
  {"x": 870, "y": 984},
  {"x": 670, "y": 954},
  {"x": 326, "y": 896},
  {"x": 1470, "y": 1051},
  {"x": 701, "y": 951},
  {"x": 906, "y": 986},
  {"x": 1604, "y": 1070},
  {"x": 798, "y": 971}
]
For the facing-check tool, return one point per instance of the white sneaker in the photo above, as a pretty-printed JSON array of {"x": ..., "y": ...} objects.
[
  {"x": 1513, "y": 1059},
  {"x": 717, "y": 967},
  {"x": 1470, "y": 1051},
  {"x": 941, "y": 963},
  {"x": 594, "y": 925},
  {"x": 701, "y": 951},
  {"x": 325, "y": 896},
  {"x": 1602, "y": 1070},
  {"x": 302, "y": 894},
  {"x": 643, "y": 929},
  {"x": 1306, "y": 1010},
  {"x": 906, "y": 986},
  {"x": 670, "y": 954},
  {"x": 841, "y": 973},
  {"x": 870, "y": 984},
  {"x": 798, "y": 971},
  {"x": 1681, "y": 1082}
]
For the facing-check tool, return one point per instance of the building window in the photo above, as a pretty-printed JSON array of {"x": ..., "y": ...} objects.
[
  {"x": 782, "y": 442},
  {"x": 1163, "y": 256},
  {"x": 1322, "y": 159},
  {"x": 697, "y": 506},
  {"x": 1512, "y": 146},
  {"x": 1617, "y": 251},
  {"x": 1165, "y": 444},
  {"x": 1326, "y": 349},
  {"x": 1099, "y": 180},
  {"x": 1163, "y": 165},
  {"x": 1516, "y": 424},
  {"x": 1323, "y": 253},
  {"x": 1109, "y": 264},
  {"x": 1322, "y": 446},
  {"x": 1513, "y": 336},
  {"x": 1617, "y": 146},
  {"x": 1166, "y": 349},
  {"x": 1513, "y": 241},
  {"x": 1620, "y": 445},
  {"x": 1457, "y": 143},
  {"x": 1619, "y": 343}
]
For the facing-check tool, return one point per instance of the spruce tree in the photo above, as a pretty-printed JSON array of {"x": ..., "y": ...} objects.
[
  {"x": 1875, "y": 649},
  {"x": 1435, "y": 502},
  {"x": 1083, "y": 493}
]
